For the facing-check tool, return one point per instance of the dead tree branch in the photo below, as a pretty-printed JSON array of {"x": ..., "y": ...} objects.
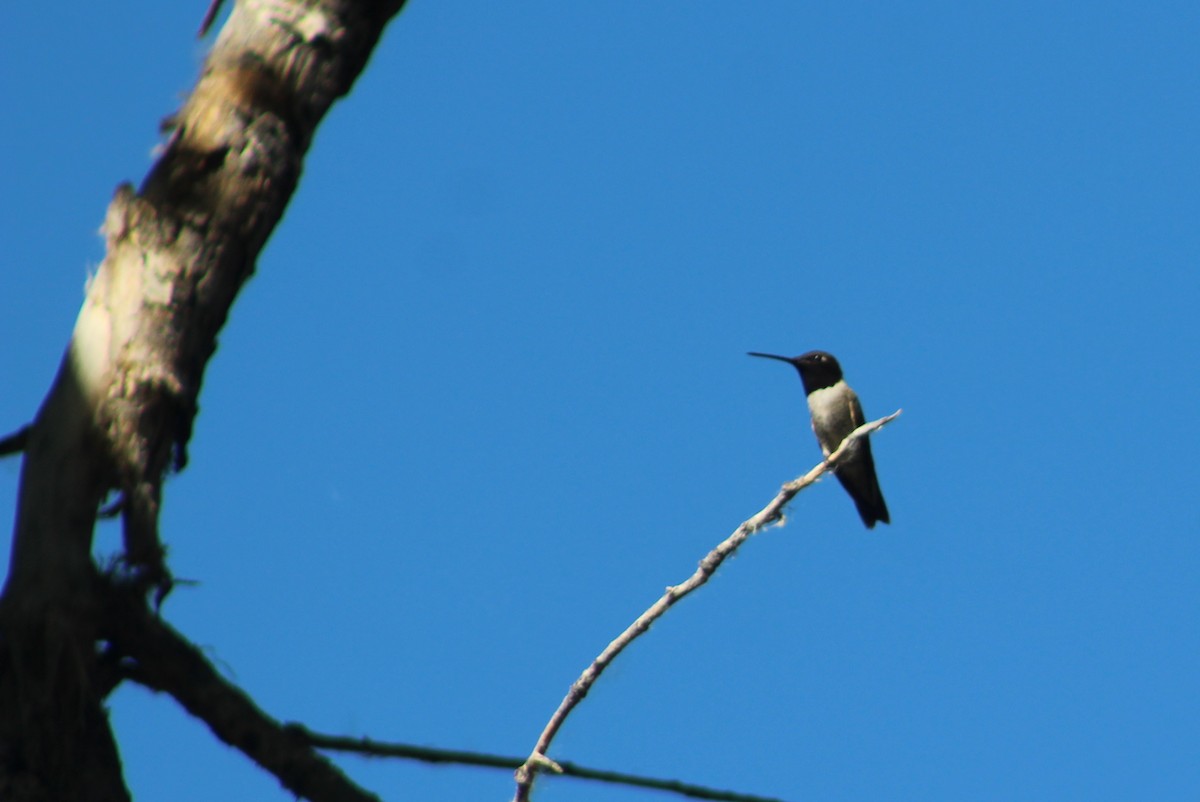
[
  {"x": 372, "y": 748},
  {"x": 15, "y": 442},
  {"x": 119, "y": 414},
  {"x": 538, "y": 759},
  {"x": 154, "y": 655}
]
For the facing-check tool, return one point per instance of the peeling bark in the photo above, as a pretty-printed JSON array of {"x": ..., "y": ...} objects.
[{"x": 119, "y": 414}]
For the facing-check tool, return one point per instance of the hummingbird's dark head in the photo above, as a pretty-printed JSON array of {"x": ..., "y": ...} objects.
[{"x": 817, "y": 369}]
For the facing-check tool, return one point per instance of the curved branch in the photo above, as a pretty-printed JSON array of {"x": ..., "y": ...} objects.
[{"x": 769, "y": 514}]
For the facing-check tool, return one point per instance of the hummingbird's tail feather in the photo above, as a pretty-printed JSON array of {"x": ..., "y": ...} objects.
[
  {"x": 859, "y": 480},
  {"x": 872, "y": 513}
]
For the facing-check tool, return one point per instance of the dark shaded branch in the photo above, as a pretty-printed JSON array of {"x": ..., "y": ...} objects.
[
  {"x": 158, "y": 657},
  {"x": 570, "y": 769},
  {"x": 366, "y": 746},
  {"x": 15, "y": 442}
]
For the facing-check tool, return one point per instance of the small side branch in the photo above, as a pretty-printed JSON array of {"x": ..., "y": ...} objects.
[
  {"x": 15, "y": 442},
  {"x": 538, "y": 760},
  {"x": 210, "y": 16}
]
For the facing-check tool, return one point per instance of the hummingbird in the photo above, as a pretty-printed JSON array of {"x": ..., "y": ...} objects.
[{"x": 836, "y": 412}]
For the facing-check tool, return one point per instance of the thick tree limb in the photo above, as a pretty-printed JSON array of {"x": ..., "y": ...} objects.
[
  {"x": 119, "y": 414},
  {"x": 538, "y": 760}
]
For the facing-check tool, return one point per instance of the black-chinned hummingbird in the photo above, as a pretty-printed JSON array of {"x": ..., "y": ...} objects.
[{"x": 836, "y": 412}]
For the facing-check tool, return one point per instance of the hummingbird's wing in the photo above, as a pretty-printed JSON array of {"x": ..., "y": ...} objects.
[
  {"x": 856, "y": 413},
  {"x": 857, "y": 474}
]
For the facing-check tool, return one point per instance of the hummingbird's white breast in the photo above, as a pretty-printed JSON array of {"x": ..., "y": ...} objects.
[{"x": 835, "y": 413}]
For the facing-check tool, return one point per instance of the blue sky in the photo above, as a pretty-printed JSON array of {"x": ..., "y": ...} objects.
[{"x": 487, "y": 394}]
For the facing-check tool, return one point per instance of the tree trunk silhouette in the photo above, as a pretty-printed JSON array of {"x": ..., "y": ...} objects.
[{"x": 119, "y": 413}]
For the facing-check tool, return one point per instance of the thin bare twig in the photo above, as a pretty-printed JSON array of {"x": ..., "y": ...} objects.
[
  {"x": 210, "y": 16},
  {"x": 538, "y": 760},
  {"x": 372, "y": 748}
]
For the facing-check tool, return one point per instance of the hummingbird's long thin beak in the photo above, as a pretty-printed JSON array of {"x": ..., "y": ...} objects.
[{"x": 771, "y": 356}]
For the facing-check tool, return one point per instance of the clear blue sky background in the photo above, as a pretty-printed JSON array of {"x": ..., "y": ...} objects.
[{"x": 487, "y": 394}]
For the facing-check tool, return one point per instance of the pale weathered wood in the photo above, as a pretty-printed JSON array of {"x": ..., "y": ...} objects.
[{"x": 119, "y": 414}]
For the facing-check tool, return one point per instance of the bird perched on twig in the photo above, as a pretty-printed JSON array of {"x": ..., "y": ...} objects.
[{"x": 836, "y": 412}]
